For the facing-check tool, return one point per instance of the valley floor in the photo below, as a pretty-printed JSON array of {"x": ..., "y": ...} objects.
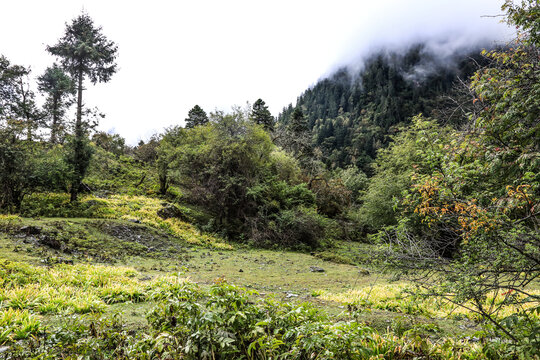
[{"x": 56, "y": 271}]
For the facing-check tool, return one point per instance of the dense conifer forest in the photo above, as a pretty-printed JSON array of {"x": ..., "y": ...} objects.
[{"x": 392, "y": 212}]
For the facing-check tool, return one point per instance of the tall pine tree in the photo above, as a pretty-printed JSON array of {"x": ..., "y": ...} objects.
[
  {"x": 196, "y": 116},
  {"x": 84, "y": 52},
  {"x": 262, "y": 116}
]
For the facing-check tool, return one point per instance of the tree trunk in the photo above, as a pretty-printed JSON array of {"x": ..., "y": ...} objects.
[
  {"x": 78, "y": 142},
  {"x": 54, "y": 125}
]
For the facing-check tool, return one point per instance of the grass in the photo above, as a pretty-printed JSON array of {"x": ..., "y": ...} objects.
[
  {"x": 397, "y": 298},
  {"x": 148, "y": 262},
  {"x": 27, "y": 291},
  {"x": 141, "y": 209}
]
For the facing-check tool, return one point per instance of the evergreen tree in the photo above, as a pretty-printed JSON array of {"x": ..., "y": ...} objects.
[
  {"x": 17, "y": 100},
  {"x": 84, "y": 52},
  {"x": 298, "y": 122},
  {"x": 261, "y": 115},
  {"x": 59, "y": 88},
  {"x": 196, "y": 116}
]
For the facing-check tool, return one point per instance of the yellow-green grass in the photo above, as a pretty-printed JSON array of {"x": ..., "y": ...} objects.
[
  {"x": 396, "y": 297},
  {"x": 27, "y": 291},
  {"x": 125, "y": 207}
]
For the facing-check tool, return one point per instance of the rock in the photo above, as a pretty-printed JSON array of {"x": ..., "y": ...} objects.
[
  {"x": 171, "y": 211},
  {"x": 240, "y": 270},
  {"x": 3, "y": 349},
  {"x": 61, "y": 260},
  {"x": 316, "y": 269},
  {"x": 290, "y": 295},
  {"x": 50, "y": 242},
  {"x": 363, "y": 271},
  {"x": 30, "y": 240},
  {"x": 145, "y": 278},
  {"x": 30, "y": 230},
  {"x": 135, "y": 221}
]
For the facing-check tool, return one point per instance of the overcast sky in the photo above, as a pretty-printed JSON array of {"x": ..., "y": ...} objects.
[{"x": 175, "y": 54}]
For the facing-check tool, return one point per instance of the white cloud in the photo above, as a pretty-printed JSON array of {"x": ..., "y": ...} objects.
[{"x": 175, "y": 54}]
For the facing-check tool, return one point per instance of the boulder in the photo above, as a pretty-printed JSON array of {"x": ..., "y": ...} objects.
[
  {"x": 171, "y": 211},
  {"x": 316, "y": 269},
  {"x": 30, "y": 230},
  {"x": 51, "y": 242}
]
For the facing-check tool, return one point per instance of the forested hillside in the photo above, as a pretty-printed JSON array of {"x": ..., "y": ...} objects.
[
  {"x": 352, "y": 113},
  {"x": 391, "y": 213}
]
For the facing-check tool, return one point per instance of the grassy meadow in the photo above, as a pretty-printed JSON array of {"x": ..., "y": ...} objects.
[{"x": 109, "y": 278}]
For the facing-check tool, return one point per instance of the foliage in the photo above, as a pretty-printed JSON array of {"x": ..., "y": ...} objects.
[
  {"x": 261, "y": 115},
  {"x": 352, "y": 114},
  {"x": 147, "y": 152},
  {"x": 59, "y": 88},
  {"x": 469, "y": 227},
  {"x": 196, "y": 116},
  {"x": 27, "y": 167},
  {"x": 84, "y": 52},
  {"x": 120, "y": 174},
  {"x": 354, "y": 180},
  {"x": 416, "y": 148},
  {"x": 112, "y": 143},
  {"x": 228, "y": 324},
  {"x": 231, "y": 168}
]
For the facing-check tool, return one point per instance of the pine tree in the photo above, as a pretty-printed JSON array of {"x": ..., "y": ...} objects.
[
  {"x": 196, "y": 116},
  {"x": 60, "y": 88},
  {"x": 262, "y": 116},
  {"x": 84, "y": 52}
]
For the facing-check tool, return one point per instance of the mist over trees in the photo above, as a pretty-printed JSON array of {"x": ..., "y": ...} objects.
[{"x": 435, "y": 166}]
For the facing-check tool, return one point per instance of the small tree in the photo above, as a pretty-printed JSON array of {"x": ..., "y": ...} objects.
[
  {"x": 59, "y": 88},
  {"x": 84, "y": 52},
  {"x": 262, "y": 116},
  {"x": 196, "y": 116}
]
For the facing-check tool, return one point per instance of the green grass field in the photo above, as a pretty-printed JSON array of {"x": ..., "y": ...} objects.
[{"x": 59, "y": 272}]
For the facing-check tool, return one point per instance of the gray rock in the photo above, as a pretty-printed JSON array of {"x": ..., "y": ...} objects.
[
  {"x": 61, "y": 260},
  {"x": 30, "y": 230},
  {"x": 171, "y": 211},
  {"x": 316, "y": 269},
  {"x": 50, "y": 242},
  {"x": 364, "y": 272},
  {"x": 135, "y": 221}
]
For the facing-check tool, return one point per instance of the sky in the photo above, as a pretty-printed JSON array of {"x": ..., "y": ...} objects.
[{"x": 216, "y": 53}]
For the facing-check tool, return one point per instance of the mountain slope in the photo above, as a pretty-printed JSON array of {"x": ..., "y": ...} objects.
[{"x": 352, "y": 113}]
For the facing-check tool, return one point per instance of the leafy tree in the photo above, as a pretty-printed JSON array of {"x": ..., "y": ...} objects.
[
  {"x": 416, "y": 148},
  {"x": 295, "y": 138},
  {"x": 13, "y": 158},
  {"x": 261, "y": 115},
  {"x": 84, "y": 52},
  {"x": 147, "y": 152},
  {"x": 298, "y": 122},
  {"x": 17, "y": 99},
  {"x": 112, "y": 143},
  {"x": 196, "y": 116},
  {"x": 469, "y": 227},
  {"x": 219, "y": 162},
  {"x": 59, "y": 88}
]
